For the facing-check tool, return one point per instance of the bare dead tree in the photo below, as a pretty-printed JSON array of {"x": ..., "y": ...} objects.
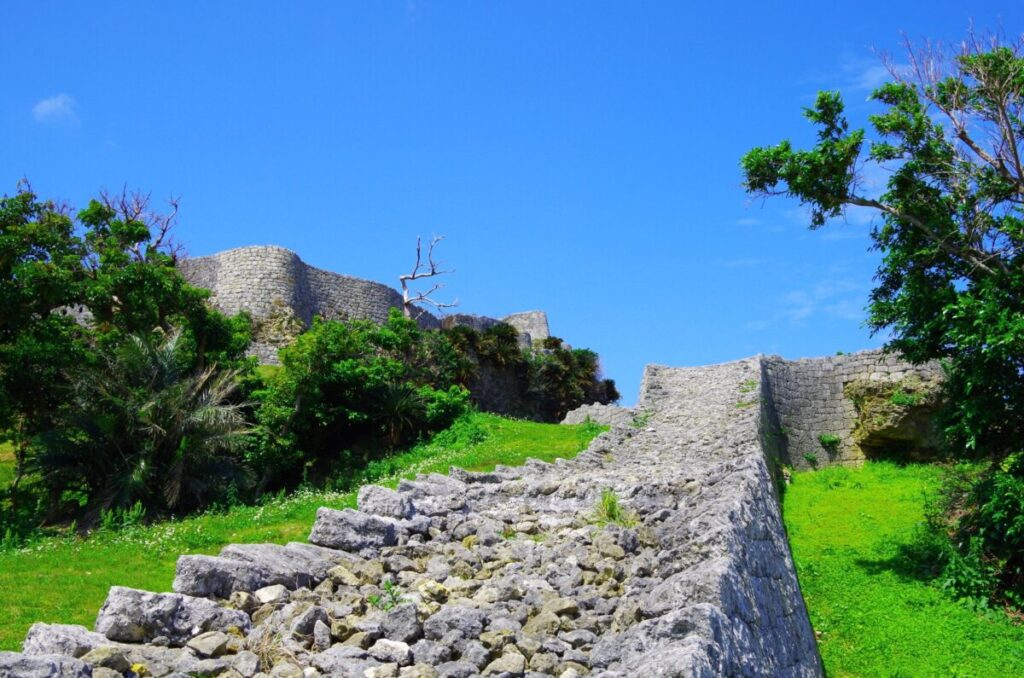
[
  {"x": 134, "y": 206},
  {"x": 430, "y": 269}
]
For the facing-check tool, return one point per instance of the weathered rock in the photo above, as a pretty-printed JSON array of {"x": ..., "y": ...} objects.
[
  {"x": 107, "y": 657},
  {"x": 64, "y": 639},
  {"x": 606, "y": 415},
  {"x": 353, "y": 531},
  {"x": 430, "y": 652},
  {"x": 134, "y": 616},
  {"x": 382, "y": 501},
  {"x": 507, "y": 573},
  {"x": 458, "y": 669},
  {"x": 17, "y": 665},
  {"x": 321, "y": 636},
  {"x": 215, "y": 577},
  {"x": 546, "y": 623},
  {"x": 209, "y": 644},
  {"x": 467, "y": 621},
  {"x": 387, "y": 651},
  {"x": 514, "y": 664},
  {"x": 402, "y": 623},
  {"x": 343, "y": 661},
  {"x": 305, "y": 622}
]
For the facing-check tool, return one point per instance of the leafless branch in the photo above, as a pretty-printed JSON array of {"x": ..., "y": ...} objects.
[
  {"x": 420, "y": 270},
  {"x": 134, "y": 206}
]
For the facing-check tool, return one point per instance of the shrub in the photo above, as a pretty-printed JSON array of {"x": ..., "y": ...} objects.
[
  {"x": 608, "y": 510},
  {"x": 146, "y": 433},
  {"x": 830, "y": 441},
  {"x": 348, "y": 391},
  {"x": 902, "y": 398}
]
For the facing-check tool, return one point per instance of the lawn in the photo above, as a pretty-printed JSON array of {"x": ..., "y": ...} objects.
[
  {"x": 66, "y": 580},
  {"x": 874, "y": 613}
]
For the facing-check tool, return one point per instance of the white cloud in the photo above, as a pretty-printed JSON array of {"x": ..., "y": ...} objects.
[
  {"x": 58, "y": 108},
  {"x": 837, "y": 299},
  {"x": 748, "y": 221}
]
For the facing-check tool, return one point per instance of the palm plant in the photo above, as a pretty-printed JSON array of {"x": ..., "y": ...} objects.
[
  {"x": 400, "y": 411},
  {"x": 146, "y": 428}
]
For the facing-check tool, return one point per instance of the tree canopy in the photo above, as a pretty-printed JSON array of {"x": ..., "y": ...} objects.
[
  {"x": 950, "y": 286},
  {"x": 951, "y": 282}
]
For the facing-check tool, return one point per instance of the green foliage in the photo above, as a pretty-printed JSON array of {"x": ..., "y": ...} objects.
[
  {"x": 551, "y": 379},
  {"x": 951, "y": 283},
  {"x": 144, "y": 429},
  {"x": 902, "y": 398},
  {"x": 830, "y": 441},
  {"x": 873, "y": 588},
  {"x": 346, "y": 393},
  {"x": 641, "y": 419},
  {"x": 390, "y": 596},
  {"x": 984, "y": 512},
  {"x": 79, "y": 572},
  {"x": 72, "y": 291},
  {"x": 951, "y": 232},
  {"x": 748, "y": 386},
  {"x": 608, "y": 510},
  {"x": 118, "y": 518},
  {"x": 811, "y": 458},
  {"x": 590, "y": 429}
]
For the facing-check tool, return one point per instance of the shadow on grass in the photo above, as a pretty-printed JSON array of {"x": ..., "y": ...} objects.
[{"x": 919, "y": 560}]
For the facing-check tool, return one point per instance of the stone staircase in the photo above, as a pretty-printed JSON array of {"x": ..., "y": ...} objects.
[{"x": 506, "y": 573}]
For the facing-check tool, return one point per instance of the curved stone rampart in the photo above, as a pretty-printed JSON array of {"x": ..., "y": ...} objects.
[{"x": 282, "y": 293}]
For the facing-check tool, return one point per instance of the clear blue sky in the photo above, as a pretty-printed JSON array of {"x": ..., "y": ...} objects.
[{"x": 580, "y": 157}]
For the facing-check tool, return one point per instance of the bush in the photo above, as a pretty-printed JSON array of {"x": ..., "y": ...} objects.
[
  {"x": 146, "y": 433},
  {"x": 349, "y": 391},
  {"x": 830, "y": 441}
]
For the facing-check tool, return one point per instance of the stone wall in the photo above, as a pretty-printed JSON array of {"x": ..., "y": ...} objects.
[
  {"x": 512, "y": 572},
  {"x": 533, "y": 323},
  {"x": 283, "y": 294},
  {"x": 810, "y": 397}
]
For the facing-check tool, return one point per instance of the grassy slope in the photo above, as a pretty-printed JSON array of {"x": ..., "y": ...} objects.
[
  {"x": 874, "y": 617},
  {"x": 66, "y": 580}
]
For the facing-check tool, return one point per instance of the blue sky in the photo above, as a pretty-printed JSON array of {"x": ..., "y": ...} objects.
[{"x": 580, "y": 157}]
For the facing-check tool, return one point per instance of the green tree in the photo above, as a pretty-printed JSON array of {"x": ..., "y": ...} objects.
[
  {"x": 72, "y": 288},
  {"x": 951, "y": 282},
  {"x": 39, "y": 280}
]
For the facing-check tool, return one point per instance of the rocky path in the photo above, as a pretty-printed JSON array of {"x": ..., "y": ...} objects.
[{"x": 509, "y": 573}]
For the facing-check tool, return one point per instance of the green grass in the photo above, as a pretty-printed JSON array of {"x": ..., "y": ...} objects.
[
  {"x": 852, "y": 533},
  {"x": 66, "y": 579}
]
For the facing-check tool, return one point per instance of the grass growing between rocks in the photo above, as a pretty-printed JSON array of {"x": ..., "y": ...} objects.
[
  {"x": 853, "y": 533},
  {"x": 66, "y": 579}
]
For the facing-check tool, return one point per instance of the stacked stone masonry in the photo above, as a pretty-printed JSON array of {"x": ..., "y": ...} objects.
[
  {"x": 807, "y": 399},
  {"x": 283, "y": 294},
  {"x": 506, "y": 573}
]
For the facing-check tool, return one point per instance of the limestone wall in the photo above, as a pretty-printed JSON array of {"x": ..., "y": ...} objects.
[
  {"x": 283, "y": 294},
  {"x": 533, "y": 323},
  {"x": 510, "y": 572},
  {"x": 806, "y": 399}
]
